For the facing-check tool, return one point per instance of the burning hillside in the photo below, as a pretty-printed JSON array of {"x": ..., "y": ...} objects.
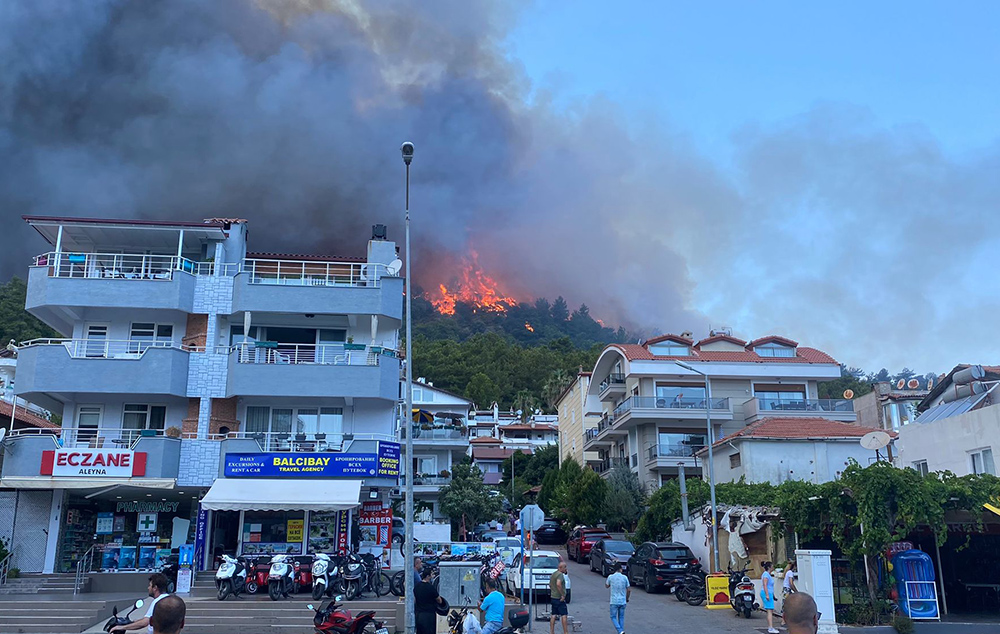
[{"x": 471, "y": 286}]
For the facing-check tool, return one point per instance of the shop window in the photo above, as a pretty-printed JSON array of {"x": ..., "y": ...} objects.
[
  {"x": 271, "y": 532},
  {"x": 141, "y": 416}
]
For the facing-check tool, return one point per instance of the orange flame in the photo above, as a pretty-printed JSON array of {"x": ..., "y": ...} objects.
[
  {"x": 528, "y": 327},
  {"x": 474, "y": 287}
]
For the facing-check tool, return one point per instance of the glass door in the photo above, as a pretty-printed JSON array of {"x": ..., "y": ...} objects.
[{"x": 96, "y": 344}]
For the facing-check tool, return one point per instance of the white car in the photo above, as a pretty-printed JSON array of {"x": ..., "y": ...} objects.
[
  {"x": 509, "y": 548},
  {"x": 545, "y": 563}
]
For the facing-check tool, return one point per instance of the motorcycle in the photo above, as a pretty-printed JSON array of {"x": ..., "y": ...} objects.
[
  {"x": 280, "y": 577},
  {"x": 231, "y": 577},
  {"x": 691, "y": 588},
  {"x": 352, "y": 571},
  {"x": 169, "y": 570},
  {"x": 518, "y": 618},
  {"x": 333, "y": 618},
  {"x": 118, "y": 621},
  {"x": 741, "y": 594},
  {"x": 257, "y": 575}
]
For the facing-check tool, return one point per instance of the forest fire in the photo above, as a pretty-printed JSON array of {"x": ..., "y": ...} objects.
[
  {"x": 473, "y": 287},
  {"x": 529, "y": 327}
]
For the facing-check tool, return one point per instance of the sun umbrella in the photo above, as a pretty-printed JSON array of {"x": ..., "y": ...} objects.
[{"x": 422, "y": 416}]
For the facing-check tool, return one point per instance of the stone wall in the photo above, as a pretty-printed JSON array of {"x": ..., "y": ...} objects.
[{"x": 199, "y": 463}]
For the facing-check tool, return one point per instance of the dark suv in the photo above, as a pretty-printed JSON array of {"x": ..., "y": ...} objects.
[
  {"x": 659, "y": 564},
  {"x": 581, "y": 540}
]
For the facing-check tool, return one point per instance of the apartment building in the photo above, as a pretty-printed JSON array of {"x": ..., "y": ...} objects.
[
  {"x": 889, "y": 406},
  {"x": 239, "y": 401},
  {"x": 654, "y": 410},
  {"x": 575, "y": 419}
]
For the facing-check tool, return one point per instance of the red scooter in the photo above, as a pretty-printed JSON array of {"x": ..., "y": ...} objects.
[
  {"x": 334, "y": 618},
  {"x": 303, "y": 579},
  {"x": 257, "y": 579}
]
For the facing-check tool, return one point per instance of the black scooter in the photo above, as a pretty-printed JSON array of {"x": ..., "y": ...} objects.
[
  {"x": 116, "y": 621},
  {"x": 691, "y": 588}
]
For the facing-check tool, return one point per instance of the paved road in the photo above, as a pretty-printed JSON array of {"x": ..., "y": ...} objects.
[{"x": 646, "y": 613}]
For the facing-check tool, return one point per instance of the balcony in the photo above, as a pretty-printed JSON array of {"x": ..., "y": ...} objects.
[
  {"x": 671, "y": 457},
  {"x": 309, "y": 370},
  {"x": 648, "y": 409},
  {"x": 438, "y": 435},
  {"x": 603, "y": 434},
  {"x": 612, "y": 387},
  {"x": 96, "y": 366},
  {"x": 831, "y": 408},
  {"x": 296, "y": 286},
  {"x": 605, "y": 466},
  {"x": 425, "y": 483}
]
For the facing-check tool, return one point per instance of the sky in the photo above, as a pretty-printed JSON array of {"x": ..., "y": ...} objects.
[{"x": 822, "y": 171}]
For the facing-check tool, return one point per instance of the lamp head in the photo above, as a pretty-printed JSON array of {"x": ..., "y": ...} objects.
[{"x": 407, "y": 150}]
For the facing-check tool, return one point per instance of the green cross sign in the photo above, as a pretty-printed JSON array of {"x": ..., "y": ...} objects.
[{"x": 147, "y": 521}]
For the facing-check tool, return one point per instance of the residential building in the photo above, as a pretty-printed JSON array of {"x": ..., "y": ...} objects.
[
  {"x": 958, "y": 429},
  {"x": 888, "y": 406},
  {"x": 654, "y": 410},
  {"x": 238, "y": 401},
  {"x": 575, "y": 418},
  {"x": 15, "y": 412},
  {"x": 777, "y": 449},
  {"x": 489, "y": 457},
  {"x": 530, "y": 435},
  {"x": 437, "y": 445}
]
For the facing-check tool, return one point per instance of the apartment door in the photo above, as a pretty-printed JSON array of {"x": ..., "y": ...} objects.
[
  {"x": 88, "y": 419},
  {"x": 96, "y": 344}
]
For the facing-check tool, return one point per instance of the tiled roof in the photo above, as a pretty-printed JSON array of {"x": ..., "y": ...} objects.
[
  {"x": 491, "y": 453},
  {"x": 715, "y": 338},
  {"x": 792, "y": 427},
  {"x": 770, "y": 338},
  {"x": 635, "y": 352},
  {"x": 485, "y": 440},
  {"x": 676, "y": 338},
  {"x": 25, "y": 417}
]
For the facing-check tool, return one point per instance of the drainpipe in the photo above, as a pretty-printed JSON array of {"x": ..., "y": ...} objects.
[{"x": 684, "y": 499}]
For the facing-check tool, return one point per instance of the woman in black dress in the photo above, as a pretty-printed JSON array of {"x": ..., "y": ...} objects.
[{"x": 425, "y": 602}]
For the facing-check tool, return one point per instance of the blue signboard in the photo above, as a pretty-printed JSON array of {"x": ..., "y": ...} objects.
[
  {"x": 384, "y": 464},
  {"x": 200, "y": 537}
]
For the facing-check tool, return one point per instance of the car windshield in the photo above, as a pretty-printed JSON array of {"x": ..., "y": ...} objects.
[
  {"x": 594, "y": 537},
  {"x": 494, "y": 534},
  {"x": 617, "y": 547},
  {"x": 508, "y": 542},
  {"x": 543, "y": 561},
  {"x": 674, "y": 553}
]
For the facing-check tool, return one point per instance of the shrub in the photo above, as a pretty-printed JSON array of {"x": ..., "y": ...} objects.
[{"x": 902, "y": 624}]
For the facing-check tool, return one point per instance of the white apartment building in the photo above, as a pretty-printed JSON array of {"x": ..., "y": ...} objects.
[
  {"x": 654, "y": 409},
  {"x": 575, "y": 419}
]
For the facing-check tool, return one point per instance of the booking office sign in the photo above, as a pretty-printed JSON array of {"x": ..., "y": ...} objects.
[{"x": 382, "y": 464}]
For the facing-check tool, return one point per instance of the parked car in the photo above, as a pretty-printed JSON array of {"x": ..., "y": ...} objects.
[
  {"x": 608, "y": 555},
  {"x": 398, "y": 530},
  {"x": 491, "y": 535},
  {"x": 508, "y": 548},
  {"x": 545, "y": 563},
  {"x": 581, "y": 540},
  {"x": 659, "y": 564},
  {"x": 478, "y": 531},
  {"x": 550, "y": 532}
]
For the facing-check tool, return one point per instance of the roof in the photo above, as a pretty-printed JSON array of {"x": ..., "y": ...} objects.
[
  {"x": 795, "y": 427},
  {"x": 635, "y": 352},
  {"x": 992, "y": 373},
  {"x": 954, "y": 408},
  {"x": 569, "y": 387},
  {"x": 677, "y": 338},
  {"x": 25, "y": 417},
  {"x": 523, "y": 427},
  {"x": 491, "y": 453},
  {"x": 773, "y": 339},
  {"x": 728, "y": 338},
  {"x": 123, "y": 221},
  {"x": 485, "y": 440},
  {"x": 299, "y": 257}
]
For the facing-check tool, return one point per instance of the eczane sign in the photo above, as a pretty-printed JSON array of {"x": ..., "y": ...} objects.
[{"x": 93, "y": 463}]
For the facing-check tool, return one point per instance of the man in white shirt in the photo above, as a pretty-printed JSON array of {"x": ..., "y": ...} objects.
[
  {"x": 620, "y": 593},
  {"x": 157, "y": 589}
]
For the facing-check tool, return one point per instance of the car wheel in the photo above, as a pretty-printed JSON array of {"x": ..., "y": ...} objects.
[
  {"x": 604, "y": 570},
  {"x": 646, "y": 585},
  {"x": 592, "y": 569}
]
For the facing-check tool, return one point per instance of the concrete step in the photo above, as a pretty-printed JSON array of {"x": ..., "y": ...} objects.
[
  {"x": 48, "y": 617},
  {"x": 260, "y": 615}
]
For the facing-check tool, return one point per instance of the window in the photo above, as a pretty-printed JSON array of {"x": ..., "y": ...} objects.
[
  {"x": 310, "y": 421},
  {"x": 780, "y": 397},
  {"x": 144, "y": 335},
  {"x": 679, "y": 394},
  {"x": 982, "y": 462},
  {"x": 670, "y": 349},
  {"x": 921, "y": 467},
  {"x": 425, "y": 464},
  {"x": 682, "y": 445},
  {"x": 735, "y": 461},
  {"x": 899, "y": 414},
  {"x": 141, "y": 416},
  {"x": 774, "y": 350},
  {"x": 418, "y": 395},
  {"x": 257, "y": 419}
]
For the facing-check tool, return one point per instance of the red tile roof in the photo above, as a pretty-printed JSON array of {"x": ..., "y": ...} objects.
[
  {"x": 635, "y": 352},
  {"x": 25, "y": 417},
  {"x": 490, "y": 453},
  {"x": 485, "y": 440},
  {"x": 676, "y": 338},
  {"x": 792, "y": 427},
  {"x": 715, "y": 338},
  {"x": 770, "y": 338}
]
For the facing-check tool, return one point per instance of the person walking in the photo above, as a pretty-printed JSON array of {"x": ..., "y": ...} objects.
[
  {"x": 168, "y": 615},
  {"x": 557, "y": 594},
  {"x": 801, "y": 615},
  {"x": 767, "y": 596},
  {"x": 492, "y": 606},
  {"x": 620, "y": 593},
  {"x": 788, "y": 585},
  {"x": 425, "y": 602}
]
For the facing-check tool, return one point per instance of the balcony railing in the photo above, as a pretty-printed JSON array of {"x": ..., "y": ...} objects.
[
  {"x": 93, "y": 437},
  {"x": 103, "y": 348},
  {"x": 610, "y": 463},
  {"x": 436, "y": 433},
  {"x": 289, "y": 441},
  {"x": 303, "y": 273},
  {"x": 613, "y": 379},
  {"x": 272, "y": 353},
  {"x": 656, "y": 402},
  {"x": 437, "y": 480},
  {"x": 119, "y": 266},
  {"x": 804, "y": 405},
  {"x": 26, "y": 405},
  {"x": 671, "y": 451}
]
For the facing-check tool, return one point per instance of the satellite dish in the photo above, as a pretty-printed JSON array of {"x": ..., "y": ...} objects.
[
  {"x": 913, "y": 384},
  {"x": 364, "y": 273},
  {"x": 848, "y": 394},
  {"x": 900, "y": 383},
  {"x": 394, "y": 267},
  {"x": 3, "y": 432},
  {"x": 930, "y": 383},
  {"x": 875, "y": 440}
]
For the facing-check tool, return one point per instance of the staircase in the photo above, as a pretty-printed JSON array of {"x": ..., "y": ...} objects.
[
  {"x": 49, "y": 617},
  {"x": 257, "y": 614},
  {"x": 42, "y": 584}
]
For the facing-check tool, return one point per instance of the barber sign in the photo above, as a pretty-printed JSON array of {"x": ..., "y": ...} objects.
[{"x": 93, "y": 463}]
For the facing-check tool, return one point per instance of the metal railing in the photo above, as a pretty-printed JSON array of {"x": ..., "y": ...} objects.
[
  {"x": 83, "y": 566},
  {"x": 657, "y": 402},
  {"x": 107, "y": 437},
  {"x": 613, "y": 379},
  {"x": 610, "y": 463},
  {"x": 289, "y": 441},
  {"x": 300, "y": 353},
  {"x": 5, "y": 566},
  {"x": 119, "y": 266},
  {"x": 103, "y": 348},
  {"x": 436, "y": 433},
  {"x": 805, "y": 405},
  {"x": 308, "y": 273},
  {"x": 17, "y": 401},
  {"x": 672, "y": 451},
  {"x": 437, "y": 480}
]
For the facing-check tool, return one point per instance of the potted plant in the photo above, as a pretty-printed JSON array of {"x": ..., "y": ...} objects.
[
  {"x": 173, "y": 432},
  {"x": 445, "y": 473},
  {"x": 350, "y": 345}
]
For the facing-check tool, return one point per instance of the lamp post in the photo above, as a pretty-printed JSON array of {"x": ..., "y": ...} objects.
[
  {"x": 410, "y": 619},
  {"x": 711, "y": 461}
]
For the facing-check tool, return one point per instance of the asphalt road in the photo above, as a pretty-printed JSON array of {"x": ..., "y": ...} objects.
[{"x": 646, "y": 613}]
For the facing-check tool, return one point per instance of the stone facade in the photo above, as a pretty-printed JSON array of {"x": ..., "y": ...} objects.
[{"x": 199, "y": 463}]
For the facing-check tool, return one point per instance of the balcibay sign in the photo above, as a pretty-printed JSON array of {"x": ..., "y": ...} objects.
[
  {"x": 382, "y": 464},
  {"x": 93, "y": 463}
]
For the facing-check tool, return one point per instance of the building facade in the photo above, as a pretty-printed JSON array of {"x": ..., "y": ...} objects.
[
  {"x": 654, "y": 410},
  {"x": 240, "y": 401},
  {"x": 575, "y": 418},
  {"x": 888, "y": 407}
]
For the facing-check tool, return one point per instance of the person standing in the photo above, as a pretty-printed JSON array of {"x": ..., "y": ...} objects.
[
  {"x": 168, "y": 615},
  {"x": 801, "y": 615},
  {"x": 425, "y": 602},
  {"x": 557, "y": 594},
  {"x": 492, "y": 606},
  {"x": 418, "y": 566},
  {"x": 157, "y": 589},
  {"x": 517, "y": 525},
  {"x": 788, "y": 585},
  {"x": 767, "y": 596},
  {"x": 620, "y": 593}
]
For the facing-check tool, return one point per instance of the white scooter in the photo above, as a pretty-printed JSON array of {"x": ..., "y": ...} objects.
[
  {"x": 230, "y": 578},
  {"x": 280, "y": 577},
  {"x": 321, "y": 568}
]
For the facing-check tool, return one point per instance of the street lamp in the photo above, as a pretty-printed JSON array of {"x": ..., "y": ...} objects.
[
  {"x": 711, "y": 461},
  {"x": 410, "y": 620}
]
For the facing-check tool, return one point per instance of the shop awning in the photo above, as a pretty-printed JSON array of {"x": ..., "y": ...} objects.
[
  {"x": 233, "y": 494},
  {"x": 45, "y": 482}
]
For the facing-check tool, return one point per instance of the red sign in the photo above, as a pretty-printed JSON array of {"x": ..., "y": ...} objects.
[
  {"x": 93, "y": 463},
  {"x": 376, "y": 525}
]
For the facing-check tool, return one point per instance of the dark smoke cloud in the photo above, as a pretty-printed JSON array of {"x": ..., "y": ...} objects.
[{"x": 290, "y": 114}]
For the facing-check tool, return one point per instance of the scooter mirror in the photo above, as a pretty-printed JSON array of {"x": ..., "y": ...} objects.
[
  {"x": 138, "y": 604},
  {"x": 339, "y": 598},
  {"x": 311, "y": 607}
]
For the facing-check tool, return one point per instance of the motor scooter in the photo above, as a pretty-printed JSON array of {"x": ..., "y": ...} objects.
[
  {"x": 323, "y": 571},
  {"x": 352, "y": 568},
  {"x": 118, "y": 621},
  {"x": 231, "y": 577},
  {"x": 257, "y": 571},
  {"x": 303, "y": 579},
  {"x": 333, "y": 618},
  {"x": 691, "y": 587},
  {"x": 280, "y": 577},
  {"x": 741, "y": 594}
]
